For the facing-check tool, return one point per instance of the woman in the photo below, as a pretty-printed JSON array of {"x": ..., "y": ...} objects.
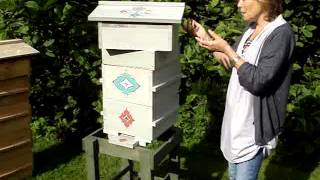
[{"x": 258, "y": 88}]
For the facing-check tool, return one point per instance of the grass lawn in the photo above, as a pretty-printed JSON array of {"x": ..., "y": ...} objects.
[{"x": 58, "y": 161}]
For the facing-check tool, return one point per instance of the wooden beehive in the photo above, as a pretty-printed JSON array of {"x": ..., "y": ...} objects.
[
  {"x": 140, "y": 69},
  {"x": 15, "y": 110}
]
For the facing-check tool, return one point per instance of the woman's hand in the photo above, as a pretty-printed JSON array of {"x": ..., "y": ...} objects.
[
  {"x": 215, "y": 43},
  {"x": 199, "y": 31},
  {"x": 196, "y": 29},
  {"x": 223, "y": 59},
  {"x": 221, "y": 50}
]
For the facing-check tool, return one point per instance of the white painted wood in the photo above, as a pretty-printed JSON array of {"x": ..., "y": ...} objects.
[
  {"x": 130, "y": 58},
  {"x": 166, "y": 73},
  {"x": 142, "y": 116},
  {"x": 123, "y": 140},
  {"x": 144, "y": 127},
  {"x": 149, "y": 121},
  {"x": 165, "y": 100},
  {"x": 136, "y": 37},
  {"x": 142, "y": 95},
  {"x": 148, "y": 84},
  {"x": 141, "y": 70},
  {"x": 142, "y": 143},
  {"x": 161, "y": 102},
  {"x": 113, "y": 132},
  {"x": 164, "y": 123},
  {"x": 162, "y": 85},
  {"x": 150, "y": 60},
  {"x": 99, "y": 35},
  {"x": 128, "y": 11},
  {"x": 15, "y": 48}
]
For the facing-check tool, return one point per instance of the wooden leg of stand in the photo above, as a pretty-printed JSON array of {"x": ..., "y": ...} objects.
[
  {"x": 175, "y": 159},
  {"x": 131, "y": 169},
  {"x": 145, "y": 172},
  {"x": 128, "y": 166},
  {"x": 92, "y": 158}
]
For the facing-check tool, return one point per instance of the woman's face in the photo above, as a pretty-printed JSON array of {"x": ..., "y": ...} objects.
[{"x": 250, "y": 10}]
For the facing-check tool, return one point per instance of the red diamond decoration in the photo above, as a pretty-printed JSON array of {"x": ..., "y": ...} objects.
[{"x": 126, "y": 118}]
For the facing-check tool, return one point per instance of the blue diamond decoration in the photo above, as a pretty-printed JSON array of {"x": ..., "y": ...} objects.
[{"x": 126, "y": 83}]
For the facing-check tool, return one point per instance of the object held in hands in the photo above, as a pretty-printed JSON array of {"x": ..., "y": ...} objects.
[
  {"x": 195, "y": 29},
  {"x": 188, "y": 27}
]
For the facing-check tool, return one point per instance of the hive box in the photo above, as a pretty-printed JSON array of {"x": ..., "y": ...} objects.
[
  {"x": 15, "y": 111},
  {"x": 137, "y": 25},
  {"x": 140, "y": 68}
]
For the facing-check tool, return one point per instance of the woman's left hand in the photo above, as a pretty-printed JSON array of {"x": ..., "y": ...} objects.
[{"x": 214, "y": 44}]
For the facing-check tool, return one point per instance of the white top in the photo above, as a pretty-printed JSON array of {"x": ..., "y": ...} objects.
[
  {"x": 238, "y": 131},
  {"x": 129, "y": 11}
]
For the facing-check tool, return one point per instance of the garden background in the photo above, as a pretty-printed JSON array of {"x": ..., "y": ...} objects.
[{"x": 66, "y": 93}]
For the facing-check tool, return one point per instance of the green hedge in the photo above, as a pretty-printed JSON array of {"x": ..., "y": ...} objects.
[
  {"x": 66, "y": 95},
  {"x": 65, "y": 88}
]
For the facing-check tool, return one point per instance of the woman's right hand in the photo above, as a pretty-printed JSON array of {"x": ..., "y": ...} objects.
[{"x": 222, "y": 59}]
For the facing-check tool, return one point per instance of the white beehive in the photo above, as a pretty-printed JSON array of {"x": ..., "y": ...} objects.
[{"x": 140, "y": 69}]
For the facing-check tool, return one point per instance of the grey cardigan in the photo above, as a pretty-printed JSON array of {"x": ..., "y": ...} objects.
[{"x": 269, "y": 83}]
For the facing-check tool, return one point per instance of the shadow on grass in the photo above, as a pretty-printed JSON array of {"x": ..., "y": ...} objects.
[
  {"x": 204, "y": 163},
  {"x": 201, "y": 162},
  {"x": 291, "y": 163},
  {"x": 57, "y": 154},
  {"x": 205, "y": 160}
]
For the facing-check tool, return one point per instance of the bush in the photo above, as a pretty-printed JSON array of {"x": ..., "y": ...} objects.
[{"x": 65, "y": 89}]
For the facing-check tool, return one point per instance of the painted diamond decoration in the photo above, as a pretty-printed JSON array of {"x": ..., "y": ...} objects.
[
  {"x": 126, "y": 118},
  {"x": 136, "y": 11},
  {"x": 126, "y": 83}
]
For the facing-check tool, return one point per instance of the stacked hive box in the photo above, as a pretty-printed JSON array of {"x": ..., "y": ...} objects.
[
  {"x": 15, "y": 112},
  {"x": 140, "y": 69}
]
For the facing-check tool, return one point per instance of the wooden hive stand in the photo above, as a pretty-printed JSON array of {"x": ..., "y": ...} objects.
[{"x": 149, "y": 159}]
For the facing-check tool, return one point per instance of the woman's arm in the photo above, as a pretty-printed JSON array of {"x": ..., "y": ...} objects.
[
  {"x": 276, "y": 51},
  {"x": 217, "y": 44},
  {"x": 198, "y": 31},
  {"x": 223, "y": 59},
  {"x": 275, "y": 57}
]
